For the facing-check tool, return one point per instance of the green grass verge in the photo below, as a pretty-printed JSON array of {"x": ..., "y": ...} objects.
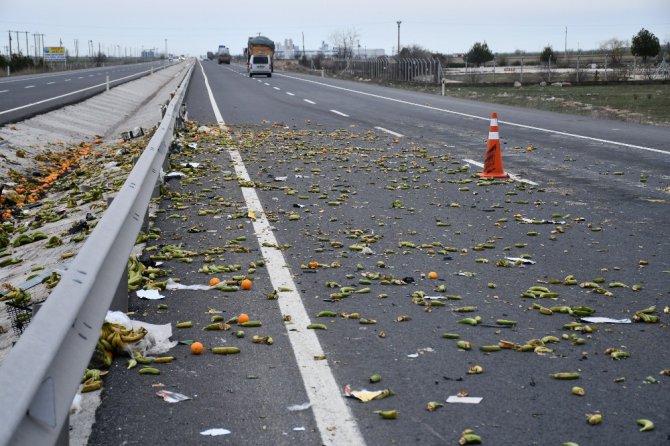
[{"x": 646, "y": 104}]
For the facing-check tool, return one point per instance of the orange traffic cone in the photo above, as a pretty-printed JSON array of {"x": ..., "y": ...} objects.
[{"x": 493, "y": 165}]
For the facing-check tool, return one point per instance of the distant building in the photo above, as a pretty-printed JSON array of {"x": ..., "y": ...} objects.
[
  {"x": 148, "y": 54},
  {"x": 288, "y": 50}
]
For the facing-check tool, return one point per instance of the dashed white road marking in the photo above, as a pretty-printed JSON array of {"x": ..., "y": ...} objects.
[
  {"x": 289, "y": 93},
  {"x": 309, "y": 102},
  {"x": 333, "y": 417},
  {"x": 340, "y": 113},
  {"x": 467, "y": 115},
  {"x": 49, "y": 83},
  {"x": 511, "y": 175},
  {"x": 4, "y": 91},
  {"x": 399, "y": 135},
  {"x": 276, "y": 88},
  {"x": 29, "y": 86}
]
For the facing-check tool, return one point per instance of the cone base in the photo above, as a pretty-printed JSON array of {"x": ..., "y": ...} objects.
[{"x": 493, "y": 175}]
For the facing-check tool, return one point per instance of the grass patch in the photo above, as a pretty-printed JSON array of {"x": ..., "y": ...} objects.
[{"x": 645, "y": 104}]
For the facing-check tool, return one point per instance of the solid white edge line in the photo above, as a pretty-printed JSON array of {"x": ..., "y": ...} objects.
[
  {"x": 511, "y": 175},
  {"x": 340, "y": 113},
  {"x": 467, "y": 115},
  {"x": 71, "y": 93},
  {"x": 217, "y": 113},
  {"x": 399, "y": 135},
  {"x": 334, "y": 419}
]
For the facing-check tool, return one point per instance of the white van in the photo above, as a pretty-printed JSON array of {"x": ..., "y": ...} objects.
[{"x": 260, "y": 65}]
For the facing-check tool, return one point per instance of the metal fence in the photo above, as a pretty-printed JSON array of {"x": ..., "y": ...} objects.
[
  {"x": 390, "y": 69},
  {"x": 575, "y": 70},
  {"x": 40, "y": 376}
]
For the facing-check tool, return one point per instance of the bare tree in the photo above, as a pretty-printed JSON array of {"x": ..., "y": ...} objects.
[
  {"x": 416, "y": 51},
  {"x": 615, "y": 50},
  {"x": 344, "y": 41}
]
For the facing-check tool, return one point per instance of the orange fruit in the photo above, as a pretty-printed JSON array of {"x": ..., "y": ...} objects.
[
  {"x": 313, "y": 264},
  {"x": 197, "y": 348},
  {"x": 432, "y": 275},
  {"x": 245, "y": 284},
  {"x": 214, "y": 281},
  {"x": 243, "y": 317}
]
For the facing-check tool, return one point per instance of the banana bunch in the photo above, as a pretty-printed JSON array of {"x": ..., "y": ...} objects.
[
  {"x": 16, "y": 295},
  {"x": 135, "y": 270},
  {"x": 92, "y": 380},
  {"x": 25, "y": 239},
  {"x": 115, "y": 336}
]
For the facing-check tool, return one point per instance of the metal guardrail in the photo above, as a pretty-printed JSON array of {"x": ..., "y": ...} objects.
[{"x": 40, "y": 376}]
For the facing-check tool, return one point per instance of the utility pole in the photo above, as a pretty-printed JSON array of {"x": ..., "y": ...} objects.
[
  {"x": 398, "y": 22},
  {"x": 27, "y": 47},
  {"x": 166, "y": 54},
  {"x": 565, "y": 48},
  {"x": 303, "y": 45}
]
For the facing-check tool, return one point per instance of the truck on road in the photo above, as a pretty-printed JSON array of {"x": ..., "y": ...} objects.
[
  {"x": 259, "y": 52},
  {"x": 223, "y": 55}
]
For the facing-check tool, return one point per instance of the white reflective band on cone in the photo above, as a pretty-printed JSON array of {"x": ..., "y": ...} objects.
[{"x": 493, "y": 135}]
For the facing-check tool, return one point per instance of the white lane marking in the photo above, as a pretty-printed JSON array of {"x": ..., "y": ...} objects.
[
  {"x": 289, "y": 93},
  {"x": 467, "y": 115},
  {"x": 309, "y": 102},
  {"x": 333, "y": 417},
  {"x": 511, "y": 175},
  {"x": 49, "y": 83},
  {"x": 70, "y": 93},
  {"x": 340, "y": 113},
  {"x": 217, "y": 113},
  {"x": 29, "y": 86},
  {"x": 4, "y": 91},
  {"x": 266, "y": 84},
  {"x": 390, "y": 132},
  {"x": 276, "y": 88}
]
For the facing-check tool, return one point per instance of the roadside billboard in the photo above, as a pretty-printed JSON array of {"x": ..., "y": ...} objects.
[{"x": 54, "y": 53}]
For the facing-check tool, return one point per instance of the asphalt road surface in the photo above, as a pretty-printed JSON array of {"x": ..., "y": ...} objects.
[
  {"x": 376, "y": 187},
  {"x": 24, "y": 96}
]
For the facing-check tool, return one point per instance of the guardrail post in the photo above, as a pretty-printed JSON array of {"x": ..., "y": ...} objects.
[
  {"x": 107, "y": 83},
  {"x": 120, "y": 299}
]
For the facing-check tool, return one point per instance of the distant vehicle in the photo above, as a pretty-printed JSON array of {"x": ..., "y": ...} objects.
[
  {"x": 223, "y": 55},
  {"x": 259, "y": 52},
  {"x": 260, "y": 65},
  {"x": 210, "y": 55}
]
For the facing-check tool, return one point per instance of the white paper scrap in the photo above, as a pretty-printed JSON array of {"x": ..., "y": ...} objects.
[
  {"x": 215, "y": 432},
  {"x": 605, "y": 320},
  {"x": 464, "y": 399},
  {"x": 172, "y": 285},
  {"x": 434, "y": 297},
  {"x": 172, "y": 397},
  {"x": 150, "y": 294},
  {"x": 519, "y": 259}
]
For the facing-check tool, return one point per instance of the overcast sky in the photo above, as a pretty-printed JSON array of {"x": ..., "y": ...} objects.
[{"x": 194, "y": 27}]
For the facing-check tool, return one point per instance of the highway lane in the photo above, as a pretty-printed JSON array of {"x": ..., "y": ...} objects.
[
  {"x": 397, "y": 196},
  {"x": 565, "y": 150},
  {"x": 24, "y": 96}
]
